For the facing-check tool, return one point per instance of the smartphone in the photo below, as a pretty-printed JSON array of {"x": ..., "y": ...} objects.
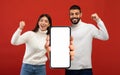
[{"x": 60, "y": 41}]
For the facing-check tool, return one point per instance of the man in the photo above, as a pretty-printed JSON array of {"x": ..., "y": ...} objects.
[{"x": 83, "y": 35}]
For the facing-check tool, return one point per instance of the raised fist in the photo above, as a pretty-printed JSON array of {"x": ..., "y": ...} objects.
[
  {"x": 21, "y": 24},
  {"x": 95, "y": 17}
]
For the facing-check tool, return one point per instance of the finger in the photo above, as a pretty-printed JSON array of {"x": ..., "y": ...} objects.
[
  {"x": 47, "y": 42},
  {"x": 93, "y": 16},
  {"x": 72, "y": 55},
  {"x": 47, "y": 47},
  {"x": 71, "y": 40},
  {"x": 71, "y": 48},
  {"x": 22, "y": 23}
]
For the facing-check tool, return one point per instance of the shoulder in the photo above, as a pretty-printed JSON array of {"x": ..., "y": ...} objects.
[
  {"x": 90, "y": 25},
  {"x": 29, "y": 33}
]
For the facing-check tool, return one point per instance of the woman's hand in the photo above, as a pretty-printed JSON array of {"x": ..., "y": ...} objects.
[{"x": 21, "y": 25}]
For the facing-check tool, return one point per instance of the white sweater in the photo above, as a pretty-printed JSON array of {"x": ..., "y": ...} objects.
[
  {"x": 34, "y": 41},
  {"x": 83, "y": 35}
]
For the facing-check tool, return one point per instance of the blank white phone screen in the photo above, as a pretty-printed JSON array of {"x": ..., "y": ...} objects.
[{"x": 60, "y": 41}]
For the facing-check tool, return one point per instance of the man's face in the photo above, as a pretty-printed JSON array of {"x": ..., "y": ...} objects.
[{"x": 75, "y": 16}]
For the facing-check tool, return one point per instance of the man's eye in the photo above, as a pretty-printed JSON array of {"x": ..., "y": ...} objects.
[
  {"x": 71, "y": 14},
  {"x": 76, "y": 13}
]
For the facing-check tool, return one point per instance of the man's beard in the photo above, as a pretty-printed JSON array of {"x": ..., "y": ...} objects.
[{"x": 75, "y": 20}]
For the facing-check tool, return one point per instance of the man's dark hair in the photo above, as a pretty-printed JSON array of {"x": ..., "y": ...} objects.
[{"x": 75, "y": 7}]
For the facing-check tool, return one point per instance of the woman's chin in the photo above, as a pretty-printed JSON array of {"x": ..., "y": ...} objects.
[{"x": 43, "y": 29}]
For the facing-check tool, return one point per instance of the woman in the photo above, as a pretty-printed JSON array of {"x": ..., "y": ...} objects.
[
  {"x": 35, "y": 54},
  {"x": 34, "y": 59}
]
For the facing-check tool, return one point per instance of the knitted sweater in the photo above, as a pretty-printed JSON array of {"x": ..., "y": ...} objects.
[
  {"x": 83, "y": 35},
  {"x": 34, "y": 41}
]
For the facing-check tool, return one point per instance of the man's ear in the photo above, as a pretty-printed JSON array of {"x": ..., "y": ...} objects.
[{"x": 80, "y": 14}]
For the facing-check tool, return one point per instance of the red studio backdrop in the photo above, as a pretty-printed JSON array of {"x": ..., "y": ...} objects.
[{"x": 105, "y": 54}]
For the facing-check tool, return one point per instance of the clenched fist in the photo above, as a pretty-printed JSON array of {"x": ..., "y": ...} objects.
[
  {"x": 21, "y": 24},
  {"x": 95, "y": 17}
]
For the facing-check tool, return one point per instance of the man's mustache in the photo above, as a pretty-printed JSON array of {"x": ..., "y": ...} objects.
[{"x": 74, "y": 18}]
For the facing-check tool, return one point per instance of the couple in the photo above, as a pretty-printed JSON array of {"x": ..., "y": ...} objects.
[{"x": 36, "y": 46}]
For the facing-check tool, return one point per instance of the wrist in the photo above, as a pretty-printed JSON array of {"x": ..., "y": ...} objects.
[
  {"x": 98, "y": 19},
  {"x": 20, "y": 28}
]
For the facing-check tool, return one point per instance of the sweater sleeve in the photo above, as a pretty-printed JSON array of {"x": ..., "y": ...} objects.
[
  {"x": 18, "y": 39},
  {"x": 100, "y": 33}
]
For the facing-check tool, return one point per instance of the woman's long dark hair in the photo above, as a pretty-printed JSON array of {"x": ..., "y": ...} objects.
[{"x": 50, "y": 22}]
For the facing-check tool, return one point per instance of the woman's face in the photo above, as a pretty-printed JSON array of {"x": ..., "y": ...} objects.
[{"x": 43, "y": 23}]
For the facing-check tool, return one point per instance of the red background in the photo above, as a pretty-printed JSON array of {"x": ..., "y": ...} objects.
[{"x": 105, "y": 55}]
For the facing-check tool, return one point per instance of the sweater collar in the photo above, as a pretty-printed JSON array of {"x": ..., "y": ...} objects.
[
  {"x": 40, "y": 31},
  {"x": 75, "y": 26}
]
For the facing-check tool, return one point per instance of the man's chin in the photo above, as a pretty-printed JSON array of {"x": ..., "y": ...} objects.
[{"x": 74, "y": 22}]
